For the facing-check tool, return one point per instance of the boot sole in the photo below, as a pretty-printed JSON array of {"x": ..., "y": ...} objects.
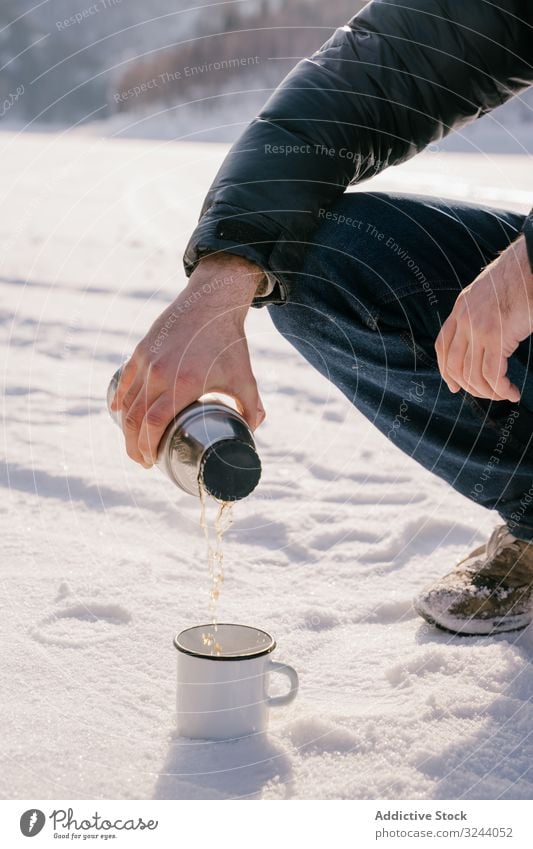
[{"x": 477, "y": 628}]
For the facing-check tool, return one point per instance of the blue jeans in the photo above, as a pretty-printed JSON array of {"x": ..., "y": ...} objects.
[{"x": 379, "y": 280}]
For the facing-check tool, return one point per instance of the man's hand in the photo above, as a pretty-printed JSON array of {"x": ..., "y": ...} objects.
[
  {"x": 489, "y": 320},
  {"x": 197, "y": 345}
]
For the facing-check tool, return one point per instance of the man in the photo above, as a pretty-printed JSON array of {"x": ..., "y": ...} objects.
[{"x": 398, "y": 299}]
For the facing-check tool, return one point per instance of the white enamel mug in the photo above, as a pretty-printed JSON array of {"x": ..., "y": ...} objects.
[{"x": 225, "y": 695}]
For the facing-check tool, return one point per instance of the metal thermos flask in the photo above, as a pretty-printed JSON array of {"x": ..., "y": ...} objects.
[{"x": 207, "y": 443}]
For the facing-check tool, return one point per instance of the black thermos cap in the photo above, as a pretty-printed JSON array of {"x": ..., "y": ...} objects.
[{"x": 230, "y": 470}]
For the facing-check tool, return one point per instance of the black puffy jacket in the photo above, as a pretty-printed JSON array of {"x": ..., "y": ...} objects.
[{"x": 400, "y": 75}]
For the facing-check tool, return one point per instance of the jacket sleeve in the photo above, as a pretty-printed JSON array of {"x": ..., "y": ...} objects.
[{"x": 400, "y": 75}]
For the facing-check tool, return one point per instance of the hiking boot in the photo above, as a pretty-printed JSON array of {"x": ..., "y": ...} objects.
[{"x": 489, "y": 591}]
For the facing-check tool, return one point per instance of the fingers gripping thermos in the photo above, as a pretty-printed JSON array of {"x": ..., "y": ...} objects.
[{"x": 208, "y": 443}]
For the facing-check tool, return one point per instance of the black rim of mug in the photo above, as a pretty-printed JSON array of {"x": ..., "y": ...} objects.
[{"x": 205, "y": 656}]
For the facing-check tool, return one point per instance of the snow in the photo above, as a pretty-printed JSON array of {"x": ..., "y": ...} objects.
[{"x": 104, "y": 562}]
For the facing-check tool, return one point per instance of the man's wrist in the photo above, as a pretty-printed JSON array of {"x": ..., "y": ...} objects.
[
  {"x": 227, "y": 277},
  {"x": 513, "y": 266}
]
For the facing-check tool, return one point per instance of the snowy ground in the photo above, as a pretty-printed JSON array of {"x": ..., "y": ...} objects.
[{"x": 103, "y": 562}]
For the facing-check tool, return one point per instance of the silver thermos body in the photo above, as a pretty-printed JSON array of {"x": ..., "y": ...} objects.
[{"x": 209, "y": 444}]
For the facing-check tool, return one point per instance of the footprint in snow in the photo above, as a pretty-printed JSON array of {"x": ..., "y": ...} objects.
[
  {"x": 320, "y": 620},
  {"x": 432, "y": 663},
  {"x": 334, "y": 416},
  {"x": 313, "y": 736},
  {"x": 81, "y": 625}
]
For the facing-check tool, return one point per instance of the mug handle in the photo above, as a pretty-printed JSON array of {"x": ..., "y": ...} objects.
[{"x": 292, "y": 675}]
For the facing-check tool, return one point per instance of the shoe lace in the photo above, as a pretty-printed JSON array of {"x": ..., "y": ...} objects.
[
  {"x": 506, "y": 559},
  {"x": 501, "y": 538}
]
